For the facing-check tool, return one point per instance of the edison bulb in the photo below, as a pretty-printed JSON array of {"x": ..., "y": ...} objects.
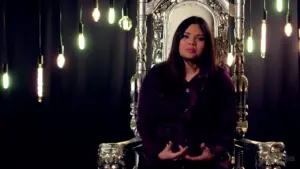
[
  {"x": 135, "y": 42},
  {"x": 288, "y": 29},
  {"x": 60, "y": 60},
  {"x": 279, "y": 5},
  {"x": 111, "y": 16},
  {"x": 125, "y": 23},
  {"x": 96, "y": 14},
  {"x": 81, "y": 41},
  {"x": 250, "y": 44},
  {"x": 229, "y": 59},
  {"x": 263, "y": 38},
  {"x": 5, "y": 80}
]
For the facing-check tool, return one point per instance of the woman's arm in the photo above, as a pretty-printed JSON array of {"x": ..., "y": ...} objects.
[
  {"x": 222, "y": 139},
  {"x": 146, "y": 115}
]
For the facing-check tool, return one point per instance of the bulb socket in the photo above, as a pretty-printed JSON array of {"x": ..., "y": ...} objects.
[
  {"x": 264, "y": 14},
  {"x": 95, "y": 3},
  {"x": 125, "y": 10},
  {"x": 288, "y": 18},
  {"x": 80, "y": 27},
  {"x": 4, "y": 67},
  {"x": 41, "y": 60},
  {"x": 251, "y": 32},
  {"x": 111, "y": 3}
]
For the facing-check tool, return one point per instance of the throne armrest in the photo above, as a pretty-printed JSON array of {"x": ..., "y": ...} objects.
[{"x": 268, "y": 154}]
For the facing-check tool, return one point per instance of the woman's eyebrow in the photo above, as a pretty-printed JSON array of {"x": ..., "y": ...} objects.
[{"x": 196, "y": 35}]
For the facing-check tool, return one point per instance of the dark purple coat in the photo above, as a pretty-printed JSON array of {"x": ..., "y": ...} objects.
[{"x": 186, "y": 113}]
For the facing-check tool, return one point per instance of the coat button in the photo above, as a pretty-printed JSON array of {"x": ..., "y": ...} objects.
[
  {"x": 186, "y": 110},
  {"x": 187, "y": 90}
]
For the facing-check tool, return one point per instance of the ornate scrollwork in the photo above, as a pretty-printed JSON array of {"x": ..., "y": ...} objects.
[
  {"x": 158, "y": 20},
  {"x": 221, "y": 42},
  {"x": 157, "y": 55}
]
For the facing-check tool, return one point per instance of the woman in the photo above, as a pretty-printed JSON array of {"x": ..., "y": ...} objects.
[{"x": 186, "y": 113}]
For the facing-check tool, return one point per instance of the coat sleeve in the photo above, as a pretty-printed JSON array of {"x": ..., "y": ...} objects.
[
  {"x": 146, "y": 116},
  {"x": 221, "y": 140}
]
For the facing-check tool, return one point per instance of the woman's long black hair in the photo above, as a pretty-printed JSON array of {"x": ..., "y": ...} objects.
[{"x": 207, "y": 60}]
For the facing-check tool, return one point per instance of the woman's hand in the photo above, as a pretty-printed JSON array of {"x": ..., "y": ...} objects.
[
  {"x": 168, "y": 154},
  {"x": 205, "y": 156}
]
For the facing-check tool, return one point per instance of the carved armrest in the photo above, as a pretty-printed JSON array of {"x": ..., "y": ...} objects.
[
  {"x": 268, "y": 154},
  {"x": 112, "y": 155}
]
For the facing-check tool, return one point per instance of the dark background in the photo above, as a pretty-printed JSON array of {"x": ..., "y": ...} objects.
[{"x": 87, "y": 103}]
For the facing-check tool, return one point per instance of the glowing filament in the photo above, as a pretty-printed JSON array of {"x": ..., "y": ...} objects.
[
  {"x": 5, "y": 80},
  {"x": 230, "y": 56},
  {"x": 96, "y": 14},
  {"x": 279, "y": 5},
  {"x": 81, "y": 41},
  {"x": 288, "y": 29},
  {"x": 135, "y": 42},
  {"x": 125, "y": 23},
  {"x": 263, "y": 39},
  {"x": 250, "y": 42},
  {"x": 60, "y": 61},
  {"x": 40, "y": 83},
  {"x": 111, "y": 16}
]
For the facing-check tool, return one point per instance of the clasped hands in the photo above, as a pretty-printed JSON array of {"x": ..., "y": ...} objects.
[{"x": 168, "y": 154}]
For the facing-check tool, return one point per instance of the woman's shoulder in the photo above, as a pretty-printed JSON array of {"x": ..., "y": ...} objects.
[
  {"x": 158, "y": 70},
  {"x": 222, "y": 76},
  {"x": 220, "y": 72}
]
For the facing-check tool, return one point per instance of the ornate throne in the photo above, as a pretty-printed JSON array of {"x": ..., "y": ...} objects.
[{"x": 167, "y": 15}]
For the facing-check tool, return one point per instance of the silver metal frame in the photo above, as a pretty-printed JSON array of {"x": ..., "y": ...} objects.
[{"x": 270, "y": 155}]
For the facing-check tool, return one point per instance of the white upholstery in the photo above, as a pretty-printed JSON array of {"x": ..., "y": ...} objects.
[{"x": 178, "y": 13}]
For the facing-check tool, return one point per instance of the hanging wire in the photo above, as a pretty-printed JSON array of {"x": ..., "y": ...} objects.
[
  {"x": 288, "y": 6},
  {"x": 265, "y": 11},
  {"x": 80, "y": 12},
  {"x": 60, "y": 21},
  {"x": 4, "y": 57},
  {"x": 40, "y": 27},
  {"x": 250, "y": 13}
]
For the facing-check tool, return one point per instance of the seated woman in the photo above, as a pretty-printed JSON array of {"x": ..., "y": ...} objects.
[{"x": 186, "y": 114}]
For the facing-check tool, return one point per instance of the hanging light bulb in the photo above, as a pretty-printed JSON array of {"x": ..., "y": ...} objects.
[
  {"x": 230, "y": 56},
  {"x": 81, "y": 39},
  {"x": 263, "y": 35},
  {"x": 40, "y": 79},
  {"x": 111, "y": 13},
  {"x": 96, "y": 12},
  {"x": 279, "y": 5},
  {"x": 135, "y": 40},
  {"x": 299, "y": 40},
  {"x": 61, "y": 60},
  {"x": 288, "y": 29},
  {"x": 250, "y": 42},
  {"x": 5, "y": 76},
  {"x": 125, "y": 22}
]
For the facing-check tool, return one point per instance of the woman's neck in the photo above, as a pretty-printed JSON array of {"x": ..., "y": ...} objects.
[{"x": 191, "y": 69}]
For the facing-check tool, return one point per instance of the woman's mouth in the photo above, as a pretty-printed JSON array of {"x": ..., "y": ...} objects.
[{"x": 191, "y": 50}]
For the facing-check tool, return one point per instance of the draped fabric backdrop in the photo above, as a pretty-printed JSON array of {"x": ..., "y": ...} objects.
[{"x": 87, "y": 103}]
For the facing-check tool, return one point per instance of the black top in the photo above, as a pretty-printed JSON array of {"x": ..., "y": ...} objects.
[{"x": 186, "y": 113}]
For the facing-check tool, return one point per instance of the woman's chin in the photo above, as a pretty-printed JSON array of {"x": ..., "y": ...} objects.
[{"x": 189, "y": 57}]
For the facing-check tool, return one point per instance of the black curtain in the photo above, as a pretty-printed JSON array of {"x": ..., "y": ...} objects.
[
  {"x": 274, "y": 81},
  {"x": 88, "y": 102},
  {"x": 85, "y": 104}
]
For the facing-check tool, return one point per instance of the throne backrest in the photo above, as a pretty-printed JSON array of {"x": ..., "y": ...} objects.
[{"x": 167, "y": 16}]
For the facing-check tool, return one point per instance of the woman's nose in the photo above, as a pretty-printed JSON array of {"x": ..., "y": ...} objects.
[{"x": 192, "y": 41}]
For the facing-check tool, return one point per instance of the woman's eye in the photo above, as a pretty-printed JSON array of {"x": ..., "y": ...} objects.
[
  {"x": 200, "y": 39},
  {"x": 185, "y": 36}
]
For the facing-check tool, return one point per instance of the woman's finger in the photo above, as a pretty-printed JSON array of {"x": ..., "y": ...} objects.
[{"x": 194, "y": 158}]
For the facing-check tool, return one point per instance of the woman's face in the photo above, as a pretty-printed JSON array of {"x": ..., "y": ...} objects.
[{"x": 192, "y": 43}]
